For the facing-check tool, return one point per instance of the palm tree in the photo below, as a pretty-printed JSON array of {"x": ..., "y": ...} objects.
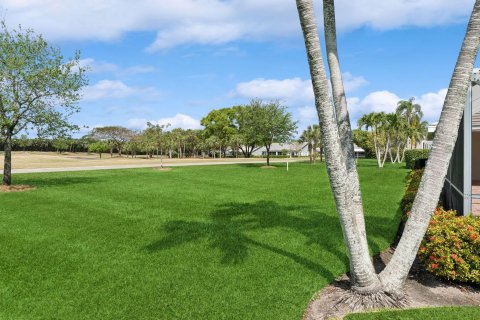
[
  {"x": 312, "y": 137},
  {"x": 431, "y": 185},
  {"x": 391, "y": 279},
  {"x": 409, "y": 110},
  {"x": 412, "y": 112},
  {"x": 361, "y": 267}
]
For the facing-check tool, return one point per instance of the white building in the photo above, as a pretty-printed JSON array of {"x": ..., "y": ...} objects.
[{"x": 285, "y": 149}]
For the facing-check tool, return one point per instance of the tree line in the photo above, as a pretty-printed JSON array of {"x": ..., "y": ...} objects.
[{"x": 227, "y": 132}]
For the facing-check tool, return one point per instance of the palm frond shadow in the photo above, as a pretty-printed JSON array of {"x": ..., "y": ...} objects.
[{"x": 229, "y": 230}]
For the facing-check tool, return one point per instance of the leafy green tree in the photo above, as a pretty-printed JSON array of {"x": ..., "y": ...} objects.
[
  {"x": 60, "y": 144},
  {"x": 98, "y": 147},
  {"x": 221, "y": 124},
  {"x": 115, "y": 136},
  {"x": 38, "y": 89},
  {"x": 246, "y": 119},
  {"x": 153, "y": 138},
  {"x": 364, "y": 140},
  {"x": 273, "y": 124}
]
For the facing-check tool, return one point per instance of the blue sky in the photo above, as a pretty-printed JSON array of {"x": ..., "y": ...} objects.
[{"x": 174, "y": 61}]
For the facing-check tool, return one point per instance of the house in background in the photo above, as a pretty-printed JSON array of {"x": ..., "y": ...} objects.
[
  {"x": 284, "y": 149},
  {"x": 462, "y": 185}
]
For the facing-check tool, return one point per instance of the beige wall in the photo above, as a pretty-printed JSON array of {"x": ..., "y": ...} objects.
[{"x": 476, "y": 155}]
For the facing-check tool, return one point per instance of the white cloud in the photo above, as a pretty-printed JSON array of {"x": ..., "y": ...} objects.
[
  {"x": 290, "y": 91},
  {"x": 116, "y": 89},
  {"x": 215, "y": 21},
  {"x": 180, "y": 120},
  {"x": 432, "y": 104},
  {"x": 378, "y": 101},
  {"x": 107, "y": 89},
  {"x": 352, "y": 83},
  {"x": 95, "y": 66},
  {"x": 307, "y": 114},
  {"x": 287, "y": 90}
]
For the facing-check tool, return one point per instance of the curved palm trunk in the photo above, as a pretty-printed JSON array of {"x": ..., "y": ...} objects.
[
  {"x": 343, "y": 123},
  {"x": 360, "y": 264},
  {"x": 434, "y": 176}
]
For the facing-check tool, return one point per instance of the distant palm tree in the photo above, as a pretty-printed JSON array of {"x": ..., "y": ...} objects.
[
  {"x": 378, "y": 123},
  {"x": 412, "y": 112},
  {"x": 409, "y": 110},
  {"x": 312, "y": 137}
]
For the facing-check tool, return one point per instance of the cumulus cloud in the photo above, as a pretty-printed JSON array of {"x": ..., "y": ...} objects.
[
  {"x": 294, "y": 89},
  {"x": 216, "y": 21},
  {"x": 352, "y": 83},
  {"x": 107, "y": 89},
  {"x": 180, "y": 120},
  {"x": 116, "y": 89},
  {"x": 432, "y": 104},
  {"x": 291, "y": 91}
]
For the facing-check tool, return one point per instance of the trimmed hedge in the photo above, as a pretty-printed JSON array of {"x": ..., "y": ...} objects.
[
  {"x": 451, "y": 247},
  {"x": 416, "y": 158}
]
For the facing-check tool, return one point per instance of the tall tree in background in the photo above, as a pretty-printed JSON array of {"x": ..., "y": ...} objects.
[
  {"x": 273, "y": 124},
  {"x": 38, "y": 88},
  {"x": 115, "y": 136},
  {"x": 246, "y": 119},
  {"x": 412, "y": 113},
  {"x": 391, "y": 279},
  {"x": 220, "y": 123}
]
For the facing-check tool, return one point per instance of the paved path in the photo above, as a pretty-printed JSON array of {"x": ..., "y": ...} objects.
[{"x": 133, "y": 166}]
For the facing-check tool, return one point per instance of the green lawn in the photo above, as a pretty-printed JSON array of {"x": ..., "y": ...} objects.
[
  {"x": 446, "y": 313},
  {"x": 212, "y": 242}
]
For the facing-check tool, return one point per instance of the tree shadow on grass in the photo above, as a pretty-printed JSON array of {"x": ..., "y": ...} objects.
[
  {"x": 56, "y": 180},
  {"x": 234, "y": 228}
]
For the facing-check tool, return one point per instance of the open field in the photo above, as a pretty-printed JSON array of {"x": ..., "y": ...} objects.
[
  {"x": 447, "y": 313},
  {"x": 205, "y": 242},
  {"x": 33, "y": 160}
]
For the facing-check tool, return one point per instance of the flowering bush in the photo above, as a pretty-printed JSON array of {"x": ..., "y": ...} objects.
[{"x": 451, "y": 247}]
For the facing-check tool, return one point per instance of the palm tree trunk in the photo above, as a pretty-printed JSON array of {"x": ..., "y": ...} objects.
[
  {"x": 343, "y": 121},
  {"x": 360, "y": 264},
  {"x": 7, "y": 164},
  {"x": 433, "y": 178}
]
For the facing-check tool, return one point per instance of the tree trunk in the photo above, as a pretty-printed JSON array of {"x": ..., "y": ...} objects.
[
  {"x": 344, "y": 129},
  {"x": 268, "y": 154},
  {"x": 362, "y": 271},
  {"x": 433, "y": 178},
  {"x": 7, "y": 165}
]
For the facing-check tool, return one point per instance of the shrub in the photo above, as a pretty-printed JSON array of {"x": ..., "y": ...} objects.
[
  {"x": 415, "y": 158},
  {"x": 451, "y": 247}
]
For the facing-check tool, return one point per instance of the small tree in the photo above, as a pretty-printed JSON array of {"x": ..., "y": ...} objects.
[
  {"x": 38, "y": 89},
  {"x": 98, "y": 147},
  {"x": 273, "y": 124}
]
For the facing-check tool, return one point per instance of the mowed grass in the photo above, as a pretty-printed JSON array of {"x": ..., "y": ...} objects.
[
  {"x": 445, "y": 313},
  {"x": 211, "y": 242}
]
